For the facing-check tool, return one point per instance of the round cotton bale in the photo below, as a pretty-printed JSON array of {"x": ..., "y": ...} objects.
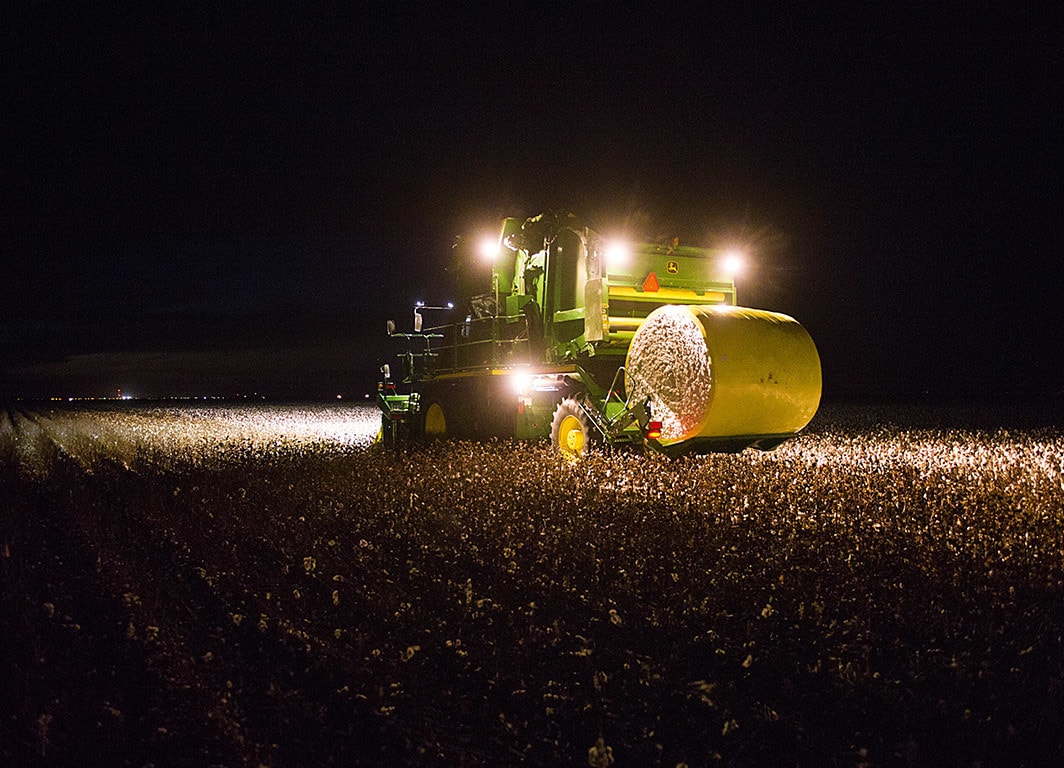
[{"x": 723, "y": 372}]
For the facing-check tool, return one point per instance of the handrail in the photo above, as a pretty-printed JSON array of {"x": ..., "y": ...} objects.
[{"x": 473, "y": 333}]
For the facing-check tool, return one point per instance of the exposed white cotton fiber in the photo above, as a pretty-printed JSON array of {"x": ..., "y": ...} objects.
[{"x": 669, "y": 362}]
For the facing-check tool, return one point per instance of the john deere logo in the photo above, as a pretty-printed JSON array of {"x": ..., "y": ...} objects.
[{"x": 672, "y": 267}]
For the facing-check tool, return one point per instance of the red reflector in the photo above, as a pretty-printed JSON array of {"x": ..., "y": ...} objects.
[
  {"x": 651, "y": 283},
  {"x": 654, "y": 430}
]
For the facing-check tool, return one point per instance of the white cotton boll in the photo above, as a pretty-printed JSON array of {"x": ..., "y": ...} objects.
[{"x": 669, "y": 362}]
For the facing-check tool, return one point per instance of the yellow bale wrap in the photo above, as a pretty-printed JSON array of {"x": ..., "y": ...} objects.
[{"x": 714, "y": 372}]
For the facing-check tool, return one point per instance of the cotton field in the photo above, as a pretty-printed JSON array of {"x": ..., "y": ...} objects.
[{"x": 262, "y": 585}]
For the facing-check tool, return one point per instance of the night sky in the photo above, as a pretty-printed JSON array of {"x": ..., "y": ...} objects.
[{"x": 214, "y": 202}]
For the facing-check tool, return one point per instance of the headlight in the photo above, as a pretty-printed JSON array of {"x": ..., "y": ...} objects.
[
  {"x": 489, "y": 248},
  {"x": 617, "y": 254},
  {"x": 522, "y": 383},
  {"x": 732, "y": 263}
]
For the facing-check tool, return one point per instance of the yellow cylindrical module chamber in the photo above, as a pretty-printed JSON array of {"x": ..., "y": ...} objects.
[{"x": 723, "y": 376}]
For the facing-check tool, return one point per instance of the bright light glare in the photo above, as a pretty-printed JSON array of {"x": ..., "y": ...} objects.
[
  {"x": 733, "y": 263},
  {"x": 489, "y": 248},
  {"x": 522, "y": 382},
  {"x": 616, "y": 254}
]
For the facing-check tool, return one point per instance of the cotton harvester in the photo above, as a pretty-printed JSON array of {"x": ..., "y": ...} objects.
[{"x": 587, "y": 342}]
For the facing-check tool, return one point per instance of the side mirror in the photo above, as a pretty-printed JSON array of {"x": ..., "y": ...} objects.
[
  {"x": 391, "y": 327},
  {"x": 386, "y": 370},
  {"x": 417, "y": 322}
]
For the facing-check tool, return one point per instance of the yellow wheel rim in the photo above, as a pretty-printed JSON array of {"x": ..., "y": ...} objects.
[
  {"x": 435, "y": 421},
  {"x": 571, "y": 436}
]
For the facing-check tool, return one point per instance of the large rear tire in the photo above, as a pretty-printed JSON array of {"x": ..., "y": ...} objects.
[{"x": 570, "y": 431}]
